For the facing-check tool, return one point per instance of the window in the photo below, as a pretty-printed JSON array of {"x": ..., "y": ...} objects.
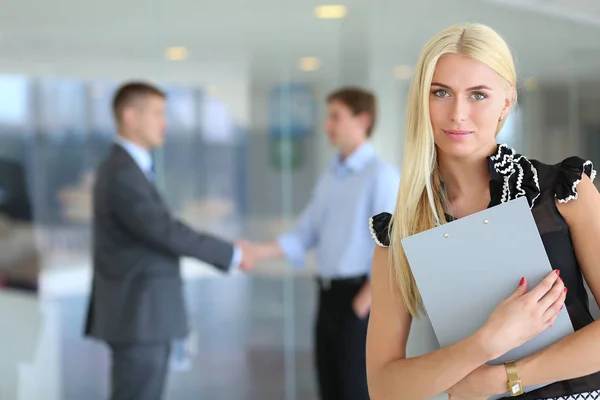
[{"x": 14, "y": 100}]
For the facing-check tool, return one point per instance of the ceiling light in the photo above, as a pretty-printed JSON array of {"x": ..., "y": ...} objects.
[
  {"x": 176, "y": 53},
  {"x": 330, "y": 12},
  {"x": 403, "y": 72},
  {"x": 309, "y": 64}
]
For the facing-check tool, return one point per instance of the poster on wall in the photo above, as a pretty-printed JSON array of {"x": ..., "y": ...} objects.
[{"x": 292, "y": 118}]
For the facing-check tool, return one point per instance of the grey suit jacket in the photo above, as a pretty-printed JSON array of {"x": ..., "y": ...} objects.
[{"x": 137, "y": 287}]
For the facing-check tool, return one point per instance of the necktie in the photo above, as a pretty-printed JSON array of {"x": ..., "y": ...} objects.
[{"x": 151, "y": 173}]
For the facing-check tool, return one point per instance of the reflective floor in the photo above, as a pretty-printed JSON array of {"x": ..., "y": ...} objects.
[
  {"x": 252, "y": 339},
  {"x": 239, "y": 326}
]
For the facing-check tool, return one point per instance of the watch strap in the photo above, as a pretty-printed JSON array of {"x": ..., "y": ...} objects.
[
  {"x": 511, "y": 371},
  {"x": 515, "y": 387}
]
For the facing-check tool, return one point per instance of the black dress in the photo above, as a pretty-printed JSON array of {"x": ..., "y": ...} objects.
[{"x": 512, "y": 176}]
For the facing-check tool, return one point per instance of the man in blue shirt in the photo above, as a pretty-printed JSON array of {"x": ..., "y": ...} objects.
[{"x": 335, "y": 223}]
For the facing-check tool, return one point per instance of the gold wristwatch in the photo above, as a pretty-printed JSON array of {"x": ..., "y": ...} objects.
[{"x": 514, "y": 381}]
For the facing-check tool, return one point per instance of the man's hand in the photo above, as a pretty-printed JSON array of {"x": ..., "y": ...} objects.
[
  {"x": 362, "y": 301},
  {"x": 249, "y": 255}
]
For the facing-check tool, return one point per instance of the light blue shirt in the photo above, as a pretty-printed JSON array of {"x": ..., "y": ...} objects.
[
  {"x": 144, "y": 161},
  {"x": 140, "y": 155},
  {"x": 336, "y": 220}
]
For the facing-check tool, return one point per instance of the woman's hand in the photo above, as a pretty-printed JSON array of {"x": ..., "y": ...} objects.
[{"x": 524, "y": 315}]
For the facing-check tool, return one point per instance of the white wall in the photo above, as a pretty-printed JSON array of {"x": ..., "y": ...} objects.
[{"x": 30, "y": 367}]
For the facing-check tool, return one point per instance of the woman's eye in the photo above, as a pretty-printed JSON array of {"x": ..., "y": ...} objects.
[
  {"x": 479, "y": 96},
  {"x": 441, "y": 93}
]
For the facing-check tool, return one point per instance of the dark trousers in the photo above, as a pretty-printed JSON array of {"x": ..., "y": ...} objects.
[
  {"x": 139, "y": 370},
  {"x": 340, "y": 342}
]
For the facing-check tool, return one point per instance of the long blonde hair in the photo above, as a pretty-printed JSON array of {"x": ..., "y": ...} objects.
[{"x": 421, "y": 198}]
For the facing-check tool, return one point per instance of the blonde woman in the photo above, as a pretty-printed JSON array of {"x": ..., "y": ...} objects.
[{"x": 462, "y": 91}]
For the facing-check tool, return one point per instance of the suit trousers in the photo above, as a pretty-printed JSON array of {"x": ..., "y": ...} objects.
[
  {"x": 340, "y": 342},
  {"x": 139, "y": 370}
]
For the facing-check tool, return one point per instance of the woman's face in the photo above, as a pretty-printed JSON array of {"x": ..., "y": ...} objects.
[{"x": 466, "y": 101}]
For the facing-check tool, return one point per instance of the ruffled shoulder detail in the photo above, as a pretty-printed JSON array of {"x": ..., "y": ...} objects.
[
  {"x": 379, "y": 226},
  {"x": 569, "y": 174},
  {"x": 518, "y": 175}
]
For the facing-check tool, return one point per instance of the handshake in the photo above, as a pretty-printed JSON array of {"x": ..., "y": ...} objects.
[{"x": 251, "y": 254}]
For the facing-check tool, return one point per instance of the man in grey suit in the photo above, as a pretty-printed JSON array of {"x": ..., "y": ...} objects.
[{"x": 137, "y": 304}]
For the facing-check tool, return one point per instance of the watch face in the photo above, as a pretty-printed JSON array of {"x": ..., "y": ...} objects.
[{"x": 516, "y": 389}]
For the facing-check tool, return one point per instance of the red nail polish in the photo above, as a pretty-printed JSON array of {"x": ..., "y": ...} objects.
[
  {"x": 561, "y": 307},
  {"x": 557, "y": 271},
  {"x": 522, "y": 281}
]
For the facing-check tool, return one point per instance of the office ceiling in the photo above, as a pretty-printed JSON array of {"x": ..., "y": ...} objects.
[
  {"x": 551, "y": 38},
  {"x": 578, "y": 11}
]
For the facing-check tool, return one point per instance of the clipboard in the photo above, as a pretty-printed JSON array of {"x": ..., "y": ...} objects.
[{"x": 465, "y": 268}]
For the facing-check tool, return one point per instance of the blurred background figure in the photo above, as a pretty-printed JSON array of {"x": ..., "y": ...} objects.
[
  {"x": 19, "y": 255},
  {"x": 20, "y": 265},
  {"x": 335, "y": 223},
  {"x": 137, "y": 305},
  {"x": 244, "y": 149}
]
